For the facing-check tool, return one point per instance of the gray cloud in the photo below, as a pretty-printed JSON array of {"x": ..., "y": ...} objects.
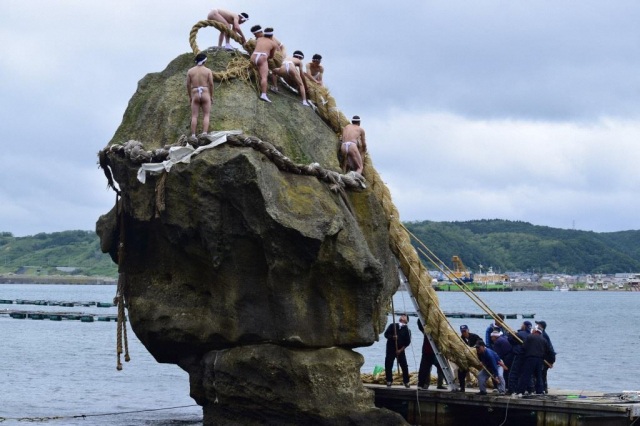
[{"x": 523, "y": 111}]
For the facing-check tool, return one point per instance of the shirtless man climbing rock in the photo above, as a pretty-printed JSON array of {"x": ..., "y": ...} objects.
[
  {"x": 292, "y": 72},
  {"x": 264, "y": 50},
  {"x": 232, "y": 20},
  {"x": 200, "y": 89},
  {"x": 354, "y": 146}
]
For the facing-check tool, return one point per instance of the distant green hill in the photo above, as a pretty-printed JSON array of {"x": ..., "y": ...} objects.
[
  {"x": 58, "y": 253},
  {"x": 520, "y": 246},
  {"x": 502, "y": 244}
]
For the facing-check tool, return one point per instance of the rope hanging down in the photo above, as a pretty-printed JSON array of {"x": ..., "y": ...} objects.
[
  {"x": 121, "y": 333},
  {"x": 419, "y": 279}
]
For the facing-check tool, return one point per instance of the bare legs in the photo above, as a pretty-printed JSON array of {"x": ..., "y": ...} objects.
[
  {"x": 197, "y": 102},
  {"x": 353, "y": 159}
]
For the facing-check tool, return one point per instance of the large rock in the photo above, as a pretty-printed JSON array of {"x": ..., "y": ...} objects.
[{"x": 248, "y": 277}]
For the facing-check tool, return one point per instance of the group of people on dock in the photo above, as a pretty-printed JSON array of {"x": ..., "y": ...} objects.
[
  {"x": 200, "y": 82},
  {"x": 516, "y": 362}
]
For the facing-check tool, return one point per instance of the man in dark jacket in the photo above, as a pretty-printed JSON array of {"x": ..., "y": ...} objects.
[
  {"x": 398, "y": 338},
  {"x": 470, "y": 339},
  {"x": 518, "y": 359},
  {"x": 428, "y": 360},
  {"x": 534, "y": 351},
  {"x": 551, "y": 357}
]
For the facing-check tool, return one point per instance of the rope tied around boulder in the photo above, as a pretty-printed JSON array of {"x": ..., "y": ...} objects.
[{"x": 134, "y": 151}]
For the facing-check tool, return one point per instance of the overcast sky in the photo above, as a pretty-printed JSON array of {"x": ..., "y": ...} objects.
[{"x": 514, "y": 110}]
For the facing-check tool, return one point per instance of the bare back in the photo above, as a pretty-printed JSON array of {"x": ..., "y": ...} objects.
[
  {"x": 199, "y": 77},
  {"x": 228, "y": 16},
  {"x": 354, "y": 133},
  {"x": 265, "y": 45}
]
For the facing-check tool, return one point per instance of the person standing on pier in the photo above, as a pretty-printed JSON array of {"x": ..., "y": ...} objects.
[
  {"x": 426, "y": 362},
  {"x": 551, "y": 356},
  {"x": 398, "y": 338},
  {"x": 470, "y": 339},
  {"x": 518, "y": 358},
  {"x": 534, "y": 351}
]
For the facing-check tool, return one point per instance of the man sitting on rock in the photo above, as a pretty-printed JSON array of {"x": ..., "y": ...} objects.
[
  {"x": 292, "y": 72},
  {"x": 230, "y": 19},
  {"x": 315, "y": 70},
  {"x": 264, "y": 50},
  {"x": 353, "y": 147},
  {"x": 200, "y": 89}
]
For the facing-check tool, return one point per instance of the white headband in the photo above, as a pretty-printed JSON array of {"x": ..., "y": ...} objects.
[
  {"x": 268, "y": 33},
  {"x": 257, "y": 31},
  {"x": 297, "y": 55},
  {"x": 201, "y": 62}
]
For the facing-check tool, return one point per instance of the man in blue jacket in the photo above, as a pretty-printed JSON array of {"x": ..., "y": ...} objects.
[{"x": 492, "y": 368}]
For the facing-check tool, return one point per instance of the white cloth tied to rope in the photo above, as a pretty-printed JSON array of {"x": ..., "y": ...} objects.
[{"x": 183, "y": 154}]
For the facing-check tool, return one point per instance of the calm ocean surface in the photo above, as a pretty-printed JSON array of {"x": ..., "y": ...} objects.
[{"x": 68, "y": 368}]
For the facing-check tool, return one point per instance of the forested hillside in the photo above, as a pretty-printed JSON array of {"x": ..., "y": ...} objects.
[
  {"x": 67, "y": 252},
  {"x": 501, "y": 244},
  {"x": 520, "y": 246}
]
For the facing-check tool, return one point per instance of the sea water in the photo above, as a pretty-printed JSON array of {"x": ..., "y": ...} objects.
[
  {"x": 67, "y": 368},
  {"x": 64, "y": 369}
]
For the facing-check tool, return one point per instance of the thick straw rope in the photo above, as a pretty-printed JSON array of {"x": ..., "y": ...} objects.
[{"x": 448, "y": 341}]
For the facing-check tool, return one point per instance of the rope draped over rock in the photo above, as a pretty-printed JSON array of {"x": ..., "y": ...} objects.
[
  {"x": 239, "y": 67},
  {"x": 448, "y": 341},
  {"x": 134, "y": 151},
  {"x": 210, "y": 23}
]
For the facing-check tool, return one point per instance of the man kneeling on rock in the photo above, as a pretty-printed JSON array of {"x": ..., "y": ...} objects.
[{"x": 353, "y": 147}]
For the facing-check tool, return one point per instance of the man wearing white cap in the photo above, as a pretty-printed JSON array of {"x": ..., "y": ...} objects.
[{"x": 233, "y": 20}]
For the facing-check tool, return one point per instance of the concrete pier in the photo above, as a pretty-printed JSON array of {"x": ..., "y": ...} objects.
[{"x": 558, "y": 408}]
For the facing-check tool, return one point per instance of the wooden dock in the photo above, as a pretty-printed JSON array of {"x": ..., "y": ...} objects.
[{"x": 558, "y": 408}]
